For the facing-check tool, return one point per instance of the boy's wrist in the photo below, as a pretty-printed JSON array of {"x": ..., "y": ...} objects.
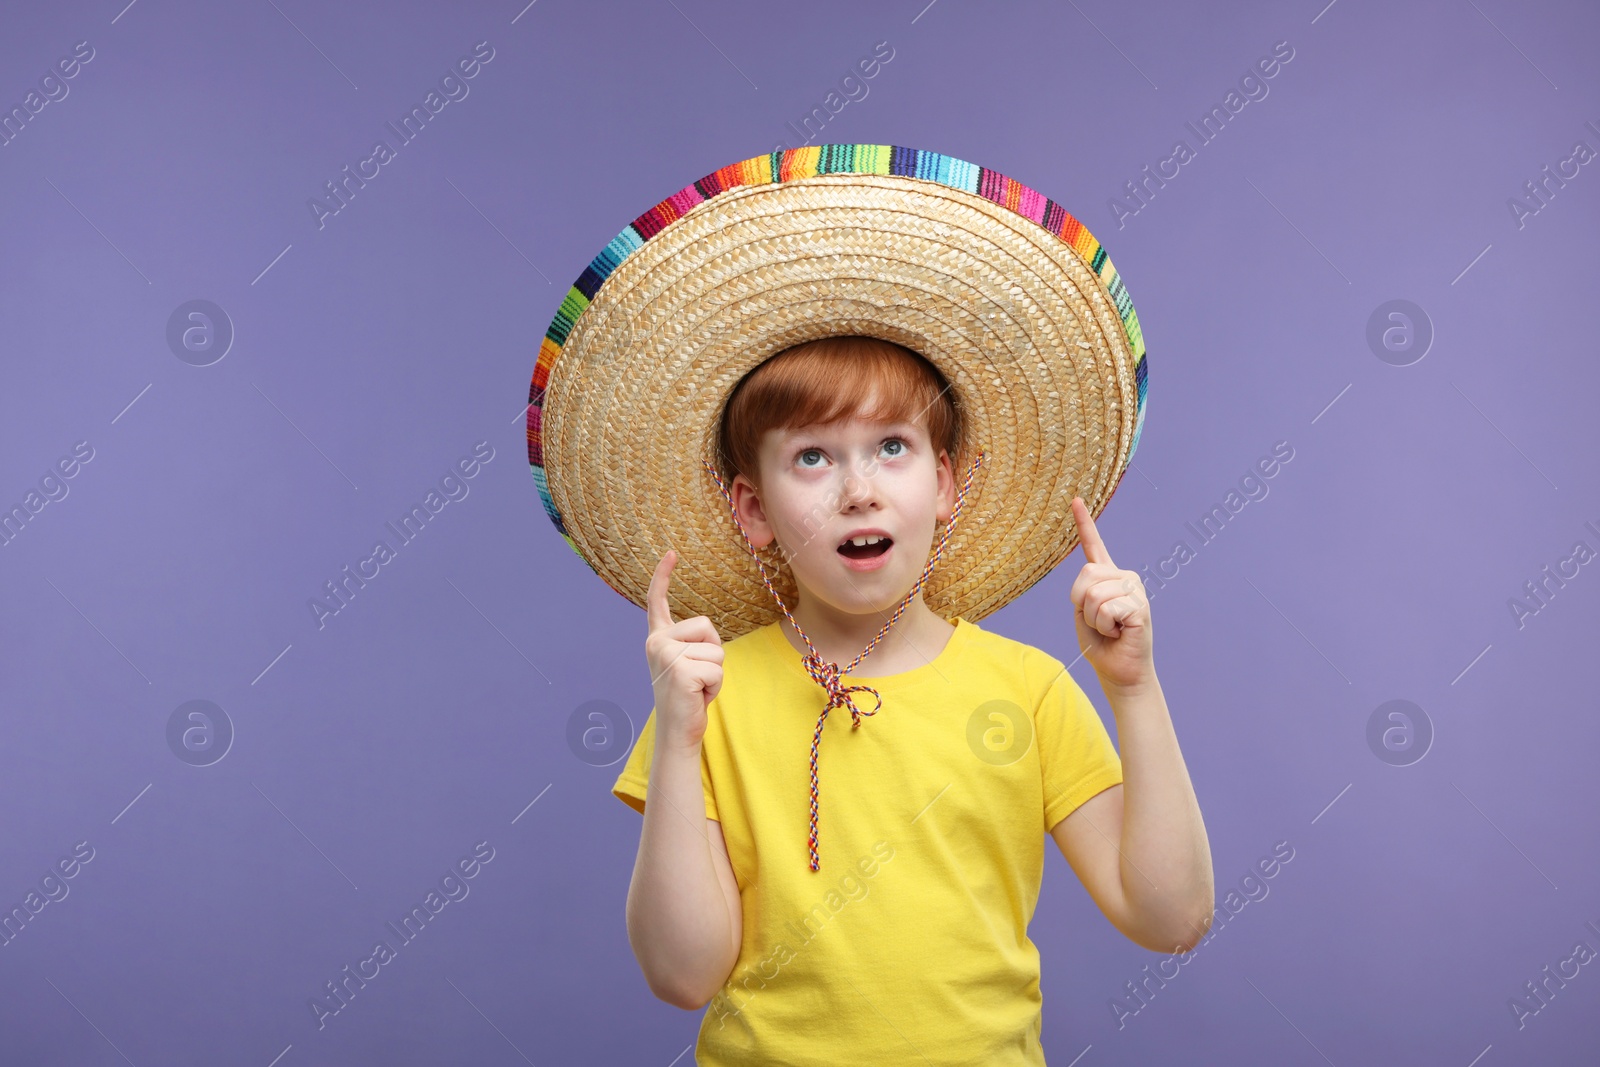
[
  {"x": 677, "y": 746},
  {"x": 1145, "y": 685}
]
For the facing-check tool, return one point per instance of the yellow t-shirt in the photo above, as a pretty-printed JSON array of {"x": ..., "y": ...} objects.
[{"x": 909, "y": 945}]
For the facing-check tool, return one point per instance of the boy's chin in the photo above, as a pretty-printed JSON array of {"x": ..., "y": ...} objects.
[{"x": 866, "y": 595}]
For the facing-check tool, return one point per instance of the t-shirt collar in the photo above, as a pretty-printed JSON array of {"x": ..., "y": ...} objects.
[{"x": 937, "y": 668}]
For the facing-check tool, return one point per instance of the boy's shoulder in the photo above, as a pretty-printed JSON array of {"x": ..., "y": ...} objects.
[
  {"x": 1006, "y": 663},
  {"x": 763, "y": 639},
  {"x": 998, "y": 644},
  {"x": 756, "y": 652}
]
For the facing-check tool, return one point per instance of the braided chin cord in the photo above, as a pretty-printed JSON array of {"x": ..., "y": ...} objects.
[{"x": 827, "y": 674}]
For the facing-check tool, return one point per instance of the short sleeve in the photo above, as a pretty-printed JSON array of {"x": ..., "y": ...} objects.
[
  {"x": 1076, "y": 756},
  {"x": 633, "y": 783}
]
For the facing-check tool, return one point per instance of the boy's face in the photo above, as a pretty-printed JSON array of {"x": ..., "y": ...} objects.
[{"x": 822, "y": 484}]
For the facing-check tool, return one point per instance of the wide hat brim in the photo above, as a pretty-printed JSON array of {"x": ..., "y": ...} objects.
[{"x": 999, "y": 287}]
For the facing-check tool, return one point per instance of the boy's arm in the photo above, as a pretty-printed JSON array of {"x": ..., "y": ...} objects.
[
  {"x": 684, "y": 919},
  {"x": 1140, "y": 847}
]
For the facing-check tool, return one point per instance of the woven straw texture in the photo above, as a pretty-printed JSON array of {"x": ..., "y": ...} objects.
[{"x": 998, "y": 287}]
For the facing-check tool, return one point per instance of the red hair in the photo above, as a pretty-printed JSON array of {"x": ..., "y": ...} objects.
[{"x": 826, "y": 380}]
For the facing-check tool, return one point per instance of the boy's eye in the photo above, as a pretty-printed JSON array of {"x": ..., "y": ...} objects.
[{"x": 896, "y": 445}]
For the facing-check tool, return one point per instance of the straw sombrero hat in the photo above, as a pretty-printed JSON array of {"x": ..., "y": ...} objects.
[{"x": 1007, "y": 294}]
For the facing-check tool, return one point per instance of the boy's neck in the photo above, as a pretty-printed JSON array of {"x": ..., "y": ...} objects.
[{"x": 916, "y": 638}]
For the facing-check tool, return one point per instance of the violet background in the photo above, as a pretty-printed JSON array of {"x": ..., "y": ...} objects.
[{"x": 434, "y": 709}]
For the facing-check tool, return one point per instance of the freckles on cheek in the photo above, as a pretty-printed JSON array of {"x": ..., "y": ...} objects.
[
  {"x": 797, "y": 519},
  {"x": 790, "y": 530}
]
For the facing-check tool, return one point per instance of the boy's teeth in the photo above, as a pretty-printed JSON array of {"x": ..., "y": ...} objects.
[{"x": 865, "y": 540}]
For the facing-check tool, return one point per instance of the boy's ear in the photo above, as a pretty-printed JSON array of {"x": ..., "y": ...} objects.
[
  {"x": 751, "y": 514},
  {"x": 946, "y": 487}
]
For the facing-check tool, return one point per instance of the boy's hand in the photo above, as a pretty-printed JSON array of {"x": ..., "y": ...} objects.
[
  {"x": 685, "y": 663},
  {"x": 1112, "y": 612}
]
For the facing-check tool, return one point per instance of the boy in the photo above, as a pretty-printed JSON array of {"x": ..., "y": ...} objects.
[
  {"x": 942, "y": 893},
  {"x": 894, "y": 930}
]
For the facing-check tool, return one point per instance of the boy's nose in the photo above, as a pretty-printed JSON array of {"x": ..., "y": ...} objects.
[{"x": 860, "y": 488}]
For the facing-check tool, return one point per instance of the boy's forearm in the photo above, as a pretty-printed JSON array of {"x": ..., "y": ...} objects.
[
  {"x": 678, "y": 922},
  {"x": 1166, "y": 857}
]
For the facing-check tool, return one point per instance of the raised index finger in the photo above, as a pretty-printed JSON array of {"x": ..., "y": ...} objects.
[
  {"x": 656, "y": 600},
  {"x": 1094, "y": 549}
]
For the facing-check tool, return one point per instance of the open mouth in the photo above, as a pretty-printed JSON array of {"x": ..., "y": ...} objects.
[{"x": 877, "y": 546}]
